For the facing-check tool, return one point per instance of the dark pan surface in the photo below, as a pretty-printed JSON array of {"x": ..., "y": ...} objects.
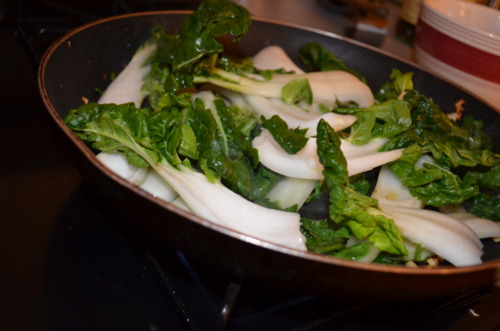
[{"x": 81, "y": 62}]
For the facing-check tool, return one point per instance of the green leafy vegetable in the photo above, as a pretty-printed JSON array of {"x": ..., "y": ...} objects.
[
  {"x": 322, "y": 238},
  {"x": 485, "y": 205},
  {"x": 297, "y": 91},
  {"x": 194, "y": 49},
  {"x": 398, "y": 84},
  {"x": 199, "y": 33},
  {"x": 317, "y": 58},
  {"x": 460, "y": 154},
  {"x": 348, "y": 208},
  {"x": 292, "y": 141},
  {"x": 382, "y": 120}
]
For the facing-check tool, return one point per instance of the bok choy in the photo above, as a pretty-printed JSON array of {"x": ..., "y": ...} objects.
[
  {"x": 142, "y": 137},
  {"x": 291, "y": 156}
]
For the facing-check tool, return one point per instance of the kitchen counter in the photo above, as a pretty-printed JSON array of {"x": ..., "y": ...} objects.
[{"x": 320, "y": 15}]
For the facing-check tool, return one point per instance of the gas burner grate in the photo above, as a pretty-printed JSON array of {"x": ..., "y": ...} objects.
[{"x": 207, "y": 298}]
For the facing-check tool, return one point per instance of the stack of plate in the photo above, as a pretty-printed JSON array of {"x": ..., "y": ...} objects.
[{"x": 460, "y": 41}]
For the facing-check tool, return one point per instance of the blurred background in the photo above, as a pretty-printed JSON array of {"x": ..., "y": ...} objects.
[{"x": 37, "y": 22}]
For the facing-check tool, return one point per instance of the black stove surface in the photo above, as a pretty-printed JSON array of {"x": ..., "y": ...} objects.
[{"x": 70, "y": 261}]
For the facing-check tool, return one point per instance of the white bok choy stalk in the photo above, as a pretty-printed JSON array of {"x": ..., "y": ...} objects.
[
  {"x": 390, "y": 190},
  {"x": 435, "y": 231},
  {"x": 119, "y": 165},
  {"x": 295, "y": 116},
  {"x": 483, "y": 228},
  {"x": 145, "y": 178},
  {"x": 303, "y": 117},
  {"x": 220, "y": 205},
  {"x": 306, "y": 165},
  {"x": 291, "y": 191},
  {"x": 273, "y": 58},
  {"x": 127, "y": 86},
  {"x": 156, "y": 186},
  {"x": 327, "y": 87}
]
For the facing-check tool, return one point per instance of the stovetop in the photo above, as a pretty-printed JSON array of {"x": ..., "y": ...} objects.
[{"x": 71, "y": 261}]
